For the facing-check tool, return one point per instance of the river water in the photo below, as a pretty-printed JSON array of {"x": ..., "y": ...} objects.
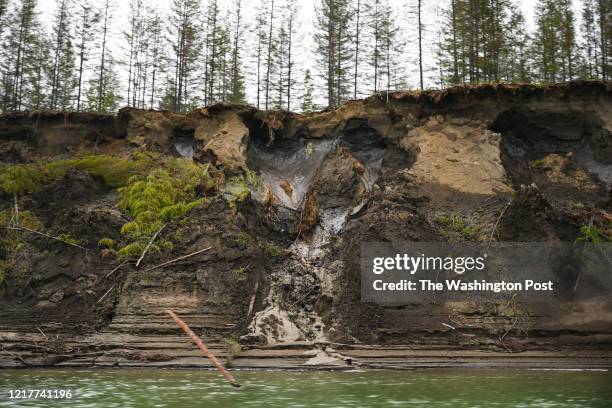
[{"x": 429, "y": 388}]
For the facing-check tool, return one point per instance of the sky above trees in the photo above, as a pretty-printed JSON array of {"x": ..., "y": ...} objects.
[
  {"x": 305, "y": 26},
  {"x": 203, "y": 51}
]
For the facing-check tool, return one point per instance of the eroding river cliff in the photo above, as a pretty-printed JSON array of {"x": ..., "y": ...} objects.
[{"x": 284, "y": 205}]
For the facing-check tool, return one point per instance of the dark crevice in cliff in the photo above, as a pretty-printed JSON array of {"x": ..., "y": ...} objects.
[{"x": 184, "y": 140}]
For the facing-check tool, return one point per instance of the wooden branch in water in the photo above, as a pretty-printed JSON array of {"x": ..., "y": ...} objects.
[
  {"x": 177, "y": 259},
  {"x": 149, "y": 245},
  {"x": 204, "y": 349}
]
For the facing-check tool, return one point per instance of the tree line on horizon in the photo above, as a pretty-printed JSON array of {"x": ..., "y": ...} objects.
[{"x": 200, "y": 53}]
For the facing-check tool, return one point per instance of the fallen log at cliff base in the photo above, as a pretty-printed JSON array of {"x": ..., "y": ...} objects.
[{"x": 204, "y": 349}]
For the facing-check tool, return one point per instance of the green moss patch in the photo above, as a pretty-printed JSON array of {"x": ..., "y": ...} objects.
[{"x": 160, "y": 197}]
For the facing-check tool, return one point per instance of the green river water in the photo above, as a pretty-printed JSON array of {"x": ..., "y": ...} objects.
[{"x": 427, "y": 388}]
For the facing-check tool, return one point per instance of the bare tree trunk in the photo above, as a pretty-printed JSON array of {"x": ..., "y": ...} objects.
[
  {"x": 289, "y": 66},
  {"x": 603, "y": 34},
  {"x": 357, "y": 32},
  {"x": 269, "y": 62},
  {"x": 455, "y": 58},
  {"x": 235, "y": 54},
  {"x": 101, "y": 77},
  {"x": 420, "y": 45}
]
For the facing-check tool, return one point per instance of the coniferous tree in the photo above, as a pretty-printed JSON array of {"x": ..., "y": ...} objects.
[
  {"x": 237, "y": 81},
  {"x": 3, "y": 16},
  {"x": 554, "y": 41},
  {"x": 279, "y": 67},
  {"x": 20, "y": 59},
  {"x": 134, "y": 36},
  {"x": 333, "y": 48},
  {"x": 185, "y": 47},
  {"x": 358, "y": 38},
  {"x": 291, "y": 11},
  {"x": 87, "y": 20},
  {"x": 604, "y": 8},
  {"x": 590, "y": 32},
  {"x": 262, "y": 39},
  {"x": 477, "y": 37},
  {"x": 221, "y": 91},
  {"x": 568, "y": 40},
  {"x": 307, "y": 104},
  {"x": 102, "y": 69},
  {"x": 156, "y": 55},
  {"x": 102, "y": 95},
  {"x": 62, "y": 76},
  {"x": 391, "y": 50},
  {"x": 515, "y": 56},
  {"x": 36, "y": 92},
  {"x": 417, "y": 16},
  {"x": 212, "y": 49},
  {"x": 376, "y": 17},
  {"x": 269, "y": 52}
]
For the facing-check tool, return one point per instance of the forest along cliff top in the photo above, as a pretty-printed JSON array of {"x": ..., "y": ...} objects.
[{"x": 284, "y": 200}]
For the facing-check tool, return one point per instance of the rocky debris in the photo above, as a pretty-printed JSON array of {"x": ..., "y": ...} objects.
[{"x": 323, "y": 358}]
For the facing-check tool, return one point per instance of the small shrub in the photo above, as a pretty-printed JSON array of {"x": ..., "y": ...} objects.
[
  {"x": 455, "y": 223},
  {"x": 443, "y": 219},
  {"x": 133, "y": 250},
  {"x": 592, "y": 234},
  {"x": 453, "y": 220},
  {"x": 21, "y": 178},
  {"x": 106, "y": 243}
]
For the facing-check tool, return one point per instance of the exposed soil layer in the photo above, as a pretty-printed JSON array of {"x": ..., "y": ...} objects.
[{"x": 282, "y": 276}]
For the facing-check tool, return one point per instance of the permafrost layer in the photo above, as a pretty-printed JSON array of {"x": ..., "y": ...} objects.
[{"x": 371, "y": 170}]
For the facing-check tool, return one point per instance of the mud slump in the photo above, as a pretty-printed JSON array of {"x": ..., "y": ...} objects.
[
  {"x": 330, "y": 179},
  {"x": 287, "y": 166}
]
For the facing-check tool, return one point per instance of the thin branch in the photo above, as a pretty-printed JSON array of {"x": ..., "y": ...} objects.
[
  {"x": 41, "y": 332},
  {"x": 104, "y": 295},
  {"x": 497, "y": 223},
  {"x": 116, "y": 269},
  {"x": 19, "y": 227},
  {"x": 149, "y": 245},
  {"x": 177, "y": 259}
]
